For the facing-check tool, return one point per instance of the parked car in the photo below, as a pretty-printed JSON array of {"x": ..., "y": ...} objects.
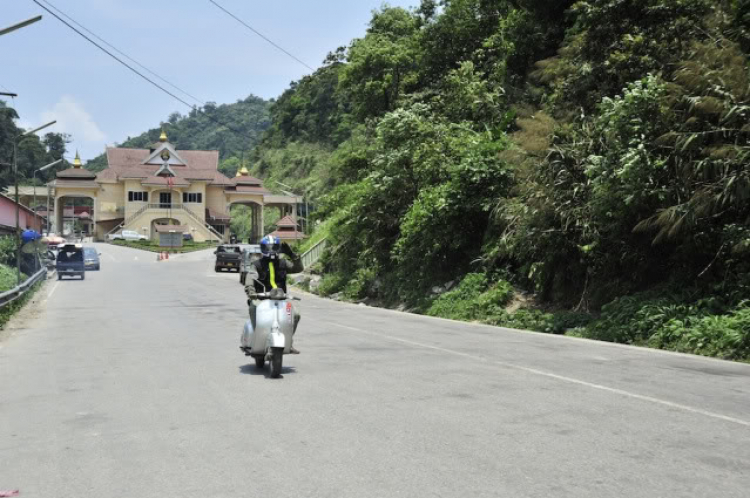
[
  {"x": 91, "y": 259},
  {"x": 127, "y": 235},
  {"x": 228, "y": 257},
  {"x": 70, "y": 261}
]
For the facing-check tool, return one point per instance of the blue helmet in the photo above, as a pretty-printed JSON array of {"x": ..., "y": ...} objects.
[{"x": 270, "y": 246}]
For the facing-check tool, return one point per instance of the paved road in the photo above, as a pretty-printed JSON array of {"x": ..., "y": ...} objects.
[{"x": 131, "y": 384}]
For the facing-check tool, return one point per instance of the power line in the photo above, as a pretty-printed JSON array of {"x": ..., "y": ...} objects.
[
  {"x": 121, "y": 52},
  {"x": 114, "y": 56},
  {"x": 260, "y": 34},
  {"x": 160, "y": 87}
]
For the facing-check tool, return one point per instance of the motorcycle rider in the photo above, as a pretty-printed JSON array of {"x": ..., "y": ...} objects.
[{"x": 270, "y": 271}]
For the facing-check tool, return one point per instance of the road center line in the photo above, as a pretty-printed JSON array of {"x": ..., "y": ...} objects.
[{"x": 550, "y": 375}]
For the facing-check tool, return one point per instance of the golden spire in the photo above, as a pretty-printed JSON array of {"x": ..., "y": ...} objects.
[
  {"x": 77, "y": 161},
  {"x": 243, "y": 171},
  {"x": 238, "y": 174},
  {"x": 163, "y": 136}
]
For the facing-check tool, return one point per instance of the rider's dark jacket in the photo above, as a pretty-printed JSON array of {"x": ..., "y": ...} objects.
[{"x": 268, "y": 278}]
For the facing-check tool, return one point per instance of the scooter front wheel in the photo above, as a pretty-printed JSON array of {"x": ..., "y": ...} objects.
[
  {"x": 277, "y": 357},
  {"x": 260, "y": 362}
]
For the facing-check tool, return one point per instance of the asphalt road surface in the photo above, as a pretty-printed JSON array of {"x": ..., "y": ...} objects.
[{"x": 131, "y": 384}]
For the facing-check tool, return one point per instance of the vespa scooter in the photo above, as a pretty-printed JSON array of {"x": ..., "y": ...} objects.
[{"x": 271, "y": 337}]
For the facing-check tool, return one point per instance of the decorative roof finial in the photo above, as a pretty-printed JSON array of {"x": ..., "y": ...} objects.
[
  {"x": 243, "y": 171},
  {"x": 77, "y": 161},
  {"x": 163, "y": 136}
]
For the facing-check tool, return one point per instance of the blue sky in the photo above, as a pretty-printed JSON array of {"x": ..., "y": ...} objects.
[{"x": 59, "y": 75}]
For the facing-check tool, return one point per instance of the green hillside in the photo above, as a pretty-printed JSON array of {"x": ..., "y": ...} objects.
[
  {"x": 232, "y": 129},
  {"x": 593, "y": 155},
  {"x": 33, "y": 151}
]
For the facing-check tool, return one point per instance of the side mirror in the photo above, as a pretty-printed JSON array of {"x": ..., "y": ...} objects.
[
  {"x": 215, "y": 252},
  {"x": 99, "y": 254}
]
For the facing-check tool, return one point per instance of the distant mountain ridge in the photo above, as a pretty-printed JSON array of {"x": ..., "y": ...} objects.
[{"x": 232, "y": 129}]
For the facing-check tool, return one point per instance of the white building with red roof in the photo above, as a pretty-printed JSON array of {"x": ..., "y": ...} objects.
[{"x": 142, "y": 189}]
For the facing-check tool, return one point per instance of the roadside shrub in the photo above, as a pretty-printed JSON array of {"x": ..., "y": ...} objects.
[
  {"x": 524, "y": 319},
  {"x": 331, "y": 284},
  {"x": 726, "y": 336},
  {"x": 475, "y": 298},
  {"x": 7, "y": 250},
  {"x": 707, "y": 326},
  {"x": 8, "y": 277},
  {"x": 361, "y": 285}
]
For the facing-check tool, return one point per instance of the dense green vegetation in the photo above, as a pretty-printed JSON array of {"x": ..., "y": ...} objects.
[
  {"x": 593, "y": 155},
  {"x": 33, "y": 151},
  {"x": 232, "y": 129}
]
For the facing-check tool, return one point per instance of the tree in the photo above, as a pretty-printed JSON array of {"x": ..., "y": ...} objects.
[{"x": 382, "y": 65}]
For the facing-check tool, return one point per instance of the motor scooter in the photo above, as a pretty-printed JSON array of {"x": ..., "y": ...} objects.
[{"x": 271, "y": 337}]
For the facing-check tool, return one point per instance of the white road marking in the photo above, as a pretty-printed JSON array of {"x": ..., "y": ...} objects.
[
  {"x": 551, "y": 375},
  {"x": 54, "y": 288},
  {"x": 111, "y": 257}
]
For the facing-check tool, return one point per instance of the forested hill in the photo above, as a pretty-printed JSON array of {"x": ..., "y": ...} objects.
[
  {"x": 232, "y": 129},
  {"x": 594, "y": 154}
]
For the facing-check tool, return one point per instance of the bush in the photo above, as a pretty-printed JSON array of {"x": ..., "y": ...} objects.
[
  {"x": 331, "y": 284},
  {"x": 726, "y": 336},
  {"x": 7, "y": 250},
  {"x": 8, "y": 278},
  {"x": 524, "y": 319},
  {"x": 670, "y": 321},
  {"x": 475, "y": 298}
]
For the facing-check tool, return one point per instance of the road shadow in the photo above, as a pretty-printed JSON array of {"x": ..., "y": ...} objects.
[{"x": 251, "y": 369}]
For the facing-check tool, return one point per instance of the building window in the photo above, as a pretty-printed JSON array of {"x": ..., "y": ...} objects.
[
  {"x": 137, "y": 196},
  {"x": 196, "y": 198}
]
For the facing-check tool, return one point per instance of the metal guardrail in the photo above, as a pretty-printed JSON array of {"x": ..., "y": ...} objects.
[
  {"x": 8, "y": 297},
  {"x": 312, "y": 255}
]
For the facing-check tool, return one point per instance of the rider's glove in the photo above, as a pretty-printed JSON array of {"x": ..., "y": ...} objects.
[{"x": 285, "y": 249}]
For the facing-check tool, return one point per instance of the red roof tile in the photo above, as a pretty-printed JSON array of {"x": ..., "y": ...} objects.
[
  {"x": 77, "y": 173},
  {"x": 286, "y": 221},
  {"x": 247, "y": 180},
  {"x": 249, "y": 190},
  {"x": 128, "y": 163}
]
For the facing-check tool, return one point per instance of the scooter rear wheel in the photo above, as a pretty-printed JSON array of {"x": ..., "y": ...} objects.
[
  {"x": 260, "y": 362},
  {"x": 277, "y": 357}
]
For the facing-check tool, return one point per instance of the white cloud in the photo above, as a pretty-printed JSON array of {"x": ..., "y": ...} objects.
[{"x": 72, "y": 118}]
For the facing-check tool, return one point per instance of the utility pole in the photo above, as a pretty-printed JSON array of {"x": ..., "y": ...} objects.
[
  {"x": 18, "y": 205},
  {"x": 20, "y": 25}
]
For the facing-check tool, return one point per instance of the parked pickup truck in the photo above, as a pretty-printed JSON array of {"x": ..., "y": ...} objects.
[
  {"x": 228, "y": 257},
  {"x": 70, "y": 262}
]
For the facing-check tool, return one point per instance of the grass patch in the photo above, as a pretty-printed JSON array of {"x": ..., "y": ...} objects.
[
  {"x": 474, "y": 299},
  {"x": 151, "y": 246},
  {"x": 8, "y": 281},
  {"x": 321, "y": 232},
  {"x": 9, "y": 278}
]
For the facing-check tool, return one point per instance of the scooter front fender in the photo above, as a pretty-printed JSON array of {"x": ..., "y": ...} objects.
[{"x": 276, "y": 340}]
